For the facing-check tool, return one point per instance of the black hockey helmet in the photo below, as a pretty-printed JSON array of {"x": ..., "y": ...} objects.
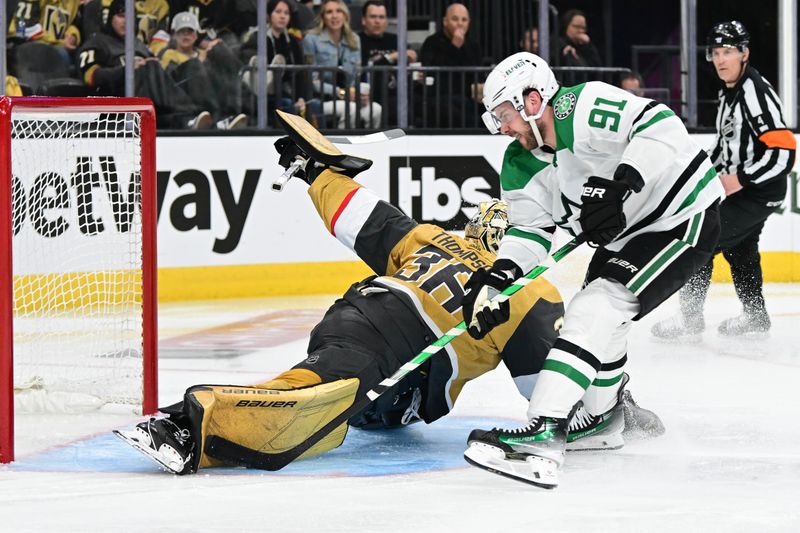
[{"x": 731, "y": 34}]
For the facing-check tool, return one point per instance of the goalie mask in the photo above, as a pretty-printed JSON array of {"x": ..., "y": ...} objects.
[{"x": 485, "y": 230}]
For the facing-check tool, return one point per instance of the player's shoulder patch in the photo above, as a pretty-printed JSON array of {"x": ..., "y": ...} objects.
[{"x": 565, "y": 105}]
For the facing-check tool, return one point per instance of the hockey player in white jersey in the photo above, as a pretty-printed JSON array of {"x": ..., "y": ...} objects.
[{"x": 622, "y": 172}]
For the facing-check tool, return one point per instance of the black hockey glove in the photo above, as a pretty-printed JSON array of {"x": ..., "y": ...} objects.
[
  {"x": 602, "y": 218},
  {"x": 480, "y": 315},
  {"x": 289, "y": 151}
]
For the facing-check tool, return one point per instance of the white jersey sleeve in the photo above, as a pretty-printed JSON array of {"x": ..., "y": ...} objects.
[
  {"x": 525, "y": 181},
  {"x": 600, "y": 127}
]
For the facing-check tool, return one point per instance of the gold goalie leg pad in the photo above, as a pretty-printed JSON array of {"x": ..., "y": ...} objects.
[{"x": 267, "y": 420}]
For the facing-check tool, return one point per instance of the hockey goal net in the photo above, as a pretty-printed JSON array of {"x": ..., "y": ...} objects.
[{"x": 78, "y": 262}]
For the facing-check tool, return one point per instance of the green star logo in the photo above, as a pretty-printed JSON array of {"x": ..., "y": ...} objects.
[{"x": 564, "y": 106}]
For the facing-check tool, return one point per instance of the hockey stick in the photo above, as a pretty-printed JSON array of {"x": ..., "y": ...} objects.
[
  {"x": 228, "y": 451},
  {"x": 380, "y": 136}
]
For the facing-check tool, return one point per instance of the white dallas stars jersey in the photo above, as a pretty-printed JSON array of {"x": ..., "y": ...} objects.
[{"x": 598, "y": 127}]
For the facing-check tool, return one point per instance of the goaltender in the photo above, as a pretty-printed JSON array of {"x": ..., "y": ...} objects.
[{"x": 378, "y": 325}]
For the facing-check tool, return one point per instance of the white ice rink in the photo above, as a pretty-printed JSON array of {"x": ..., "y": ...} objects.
[{"x": 729, "y": 462}]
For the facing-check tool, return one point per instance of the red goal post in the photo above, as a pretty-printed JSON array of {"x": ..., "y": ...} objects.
[{"x": 78, "y": 263}]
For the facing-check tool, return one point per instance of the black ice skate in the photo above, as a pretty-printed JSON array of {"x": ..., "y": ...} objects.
[
  {"x": 610, "y": 430},
  {"x": 748, "y": 325},
  {"x": 532, "y": 454},
  {"x": 680, "y": 328},
  {"x": 596, "y": 432},
  {"x": 310, "y": 152},
  {"x": 164, "y": 442}
]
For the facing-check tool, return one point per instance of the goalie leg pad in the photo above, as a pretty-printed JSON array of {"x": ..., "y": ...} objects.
[{"x": 235, "y": 424}]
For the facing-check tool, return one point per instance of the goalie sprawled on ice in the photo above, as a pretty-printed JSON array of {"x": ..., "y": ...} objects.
[{"x": 379, "y": 324}]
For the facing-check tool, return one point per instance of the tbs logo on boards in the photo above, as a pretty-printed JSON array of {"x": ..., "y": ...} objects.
[{"x": 441, "y": 190}]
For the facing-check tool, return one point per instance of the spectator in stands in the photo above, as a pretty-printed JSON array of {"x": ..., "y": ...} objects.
[
  {"x": 210, "y": 77},
  {"x": 331, "y": 43},
  {"x": 51, "y": 22},
  {"x": 451, "y": 47},
  {"x": 379, "y": 47},
  {"x": 101, "y": 61},
  {"x": 152, "y": 21},
  {"x": 530, "y": 41},
  {"x": 288, "y": 91},
  {"x": 632, "y": 82},
  {"x": 217, "y": 18},
  {"x": 453, "y": 103},
  {"x": 24, "y": 21},
  {"x": 575, "y": 48}
]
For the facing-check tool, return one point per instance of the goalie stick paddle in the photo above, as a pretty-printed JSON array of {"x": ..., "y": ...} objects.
[
  {"x": 226, "y": 450},
  {"x": 380, "y": 136}
]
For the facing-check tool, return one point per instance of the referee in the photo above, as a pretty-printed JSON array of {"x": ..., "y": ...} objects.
[{"x": 753, "y": 154}]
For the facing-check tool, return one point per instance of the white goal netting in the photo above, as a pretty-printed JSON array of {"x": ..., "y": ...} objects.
[{"x": 77, "y": 260}]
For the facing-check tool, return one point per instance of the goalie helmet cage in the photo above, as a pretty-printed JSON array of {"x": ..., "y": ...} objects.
[{"x": 85, "y": 291}]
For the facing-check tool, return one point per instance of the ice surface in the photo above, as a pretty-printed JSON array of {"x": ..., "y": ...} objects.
[{"x": 729, "y": 462}]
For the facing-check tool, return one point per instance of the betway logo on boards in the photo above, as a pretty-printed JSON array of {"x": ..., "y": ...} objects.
[
  {"x": 49, "y": 201},
  {"x": 96, "y": 197},
  {"x": 441, "y": 190}
]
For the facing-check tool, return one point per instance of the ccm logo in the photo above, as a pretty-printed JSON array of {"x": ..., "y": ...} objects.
[
  {"x": 624, "y": 264},
  {"x": 593, "y": 192}
]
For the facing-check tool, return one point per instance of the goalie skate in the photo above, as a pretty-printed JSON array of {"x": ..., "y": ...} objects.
[{"x": 162, "y": 441}]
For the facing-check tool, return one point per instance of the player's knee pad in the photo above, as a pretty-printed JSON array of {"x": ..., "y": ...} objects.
[
  {"x": 595, "y": 313},
  {"x": 264, "y": 420}
]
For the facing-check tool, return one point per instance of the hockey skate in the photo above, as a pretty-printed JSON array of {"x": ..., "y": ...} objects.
[
  {"x": 164, "y": 442},
  {"x": 680, "y": 328},
  {"x": 532, "y": 454},
  {"x": 596, "y": 432},
  {"x": 306, "y": 152},
  {"x": 747, "y": 325},
  {"x": 610, "y": 430}
]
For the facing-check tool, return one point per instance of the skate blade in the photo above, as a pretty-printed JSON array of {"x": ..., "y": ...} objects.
[
  {"x": 747, "y": 337},
  {"x": 147, "y": 451},
  {"x": 536, "y": 471}
]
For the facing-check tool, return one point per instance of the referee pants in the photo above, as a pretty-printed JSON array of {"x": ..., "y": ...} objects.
[{"x": 742, "y": 219}]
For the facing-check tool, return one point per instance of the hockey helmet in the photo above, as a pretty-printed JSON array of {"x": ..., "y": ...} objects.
[
  {"x": 510, "y": 79},
  {"x": 731, "y": 34},
  {"x": 486, "y": 228}
]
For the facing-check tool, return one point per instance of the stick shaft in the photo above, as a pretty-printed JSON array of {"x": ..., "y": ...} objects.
[{"x": 279, "y": 460}]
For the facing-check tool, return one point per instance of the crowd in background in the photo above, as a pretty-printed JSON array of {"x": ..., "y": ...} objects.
[{"x": 196, "y": 59}]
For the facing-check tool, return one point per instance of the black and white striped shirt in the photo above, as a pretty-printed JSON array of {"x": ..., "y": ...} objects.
[{"x": 752, "y": 139}]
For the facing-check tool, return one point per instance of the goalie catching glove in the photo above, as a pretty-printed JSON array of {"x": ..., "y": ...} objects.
[{"x": 481, "y": 314}]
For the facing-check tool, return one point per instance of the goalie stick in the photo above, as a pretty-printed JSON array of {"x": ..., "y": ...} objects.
[
  {"x": 228, "y": 451},
  {"x": 380, "y": 136}
]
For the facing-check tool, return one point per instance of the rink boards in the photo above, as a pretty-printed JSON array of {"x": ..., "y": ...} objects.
[{"x": 224, "y": 233}]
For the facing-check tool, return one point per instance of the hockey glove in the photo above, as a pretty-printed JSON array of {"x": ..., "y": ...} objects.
[
  {"x": 481, "y": 315},
  {"x": 602, "y": 217},
  {"x": 289, "y": 151}
]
